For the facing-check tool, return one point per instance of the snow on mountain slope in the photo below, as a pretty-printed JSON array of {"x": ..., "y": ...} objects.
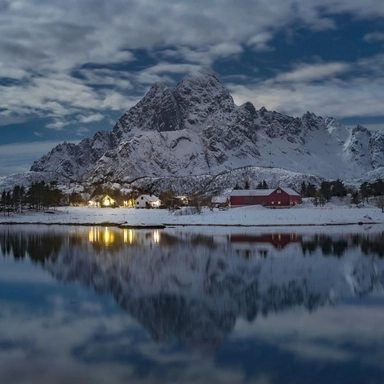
[{"x": 196, "y": 129}]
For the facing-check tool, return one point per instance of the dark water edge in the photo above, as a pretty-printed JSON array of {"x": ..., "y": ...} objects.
[{"x": 111, "y": 305}]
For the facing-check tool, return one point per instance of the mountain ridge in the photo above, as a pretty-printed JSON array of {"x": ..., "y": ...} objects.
[{"x": 196, "y": 129}]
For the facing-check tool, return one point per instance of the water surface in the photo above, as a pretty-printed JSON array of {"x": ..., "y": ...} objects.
[{"x": 110, "y": 305}]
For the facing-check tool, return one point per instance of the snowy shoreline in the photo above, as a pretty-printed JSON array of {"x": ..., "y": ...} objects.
[{"x": 335, "y": 213}]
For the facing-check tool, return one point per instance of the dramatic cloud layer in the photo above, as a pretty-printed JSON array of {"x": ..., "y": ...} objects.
[{"x": 74, "y": 67}]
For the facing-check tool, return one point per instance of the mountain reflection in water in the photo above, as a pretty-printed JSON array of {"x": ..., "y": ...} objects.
[{"x": 193, "y": 286}]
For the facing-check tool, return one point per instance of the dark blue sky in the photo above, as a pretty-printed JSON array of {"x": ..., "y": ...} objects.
[{"x": 68, "y": 69}]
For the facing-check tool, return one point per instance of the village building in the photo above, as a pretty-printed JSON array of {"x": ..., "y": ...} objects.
[
  {"x": 182, "y": 200},
  {"x": 147, "y": 201},
  {"x": 221, "y": 202},
  {"x": 272, "y": 198},
  {"x": 102, "y": 201}
]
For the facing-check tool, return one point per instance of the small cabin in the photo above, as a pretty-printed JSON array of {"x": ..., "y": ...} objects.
[
  {"x": 221, "y": 202},
  {"x": 147, "y": 201}
]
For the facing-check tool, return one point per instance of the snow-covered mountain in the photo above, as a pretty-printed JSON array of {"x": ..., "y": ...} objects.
[{"x": 196, "y": 129}]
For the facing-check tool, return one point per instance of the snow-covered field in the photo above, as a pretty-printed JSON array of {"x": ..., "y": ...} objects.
[{"x": 334, "y": 213}]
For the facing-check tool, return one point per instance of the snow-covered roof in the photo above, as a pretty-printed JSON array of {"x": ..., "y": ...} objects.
[
  {"x": 148, "y": 197},
  {"x": 219, "y": 199},
  {"x": 290, "y": 191},
  {"x": 252, "y": 192}
]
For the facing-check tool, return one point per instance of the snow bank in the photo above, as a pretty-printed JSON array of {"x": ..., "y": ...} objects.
[{"x": 301, "y": 215}]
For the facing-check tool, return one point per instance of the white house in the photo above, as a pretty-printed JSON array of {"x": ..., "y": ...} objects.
[{"x": 147, "y": 201}]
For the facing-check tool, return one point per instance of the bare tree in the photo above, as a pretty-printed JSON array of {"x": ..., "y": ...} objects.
[
  {"x": 380, "y": 202},
  {"x": 197, "y": 202}
]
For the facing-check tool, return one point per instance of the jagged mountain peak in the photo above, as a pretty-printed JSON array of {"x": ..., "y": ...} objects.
[
  {"x": 362, "y": 129},
  {"x": 196, "y": 129},
  {"x": 200, "y": 96},
  {"x": 250, "y": 108}
]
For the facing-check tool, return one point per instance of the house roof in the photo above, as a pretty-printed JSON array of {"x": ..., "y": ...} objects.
[
  {"x": 219, "y": 199},
  {"x": 98, "y": 198},
  {"x": 148, "y": 197},
  {"x": 252, "y": 192},
  {"x": 290, "y": 191}
]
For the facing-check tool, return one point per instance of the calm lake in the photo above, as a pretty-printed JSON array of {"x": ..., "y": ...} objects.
[{"x": 181, "y": 305}]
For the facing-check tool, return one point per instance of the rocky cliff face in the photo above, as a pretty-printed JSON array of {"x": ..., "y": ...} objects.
[{"x": 196, "y": 129}]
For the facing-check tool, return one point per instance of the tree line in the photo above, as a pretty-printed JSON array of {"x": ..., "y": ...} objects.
[
  {"x": 329, "y": 189},
  {"x": 38, "y": 196}
]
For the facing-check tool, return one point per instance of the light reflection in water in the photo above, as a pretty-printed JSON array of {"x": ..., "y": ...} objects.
[
  {"x": 193, "y": 296},
  {"x": 129, "y": 236},
  {"x": 156, "y": 236},
  {"x": 101, "y": 235},
  {"x": 109, "y": 236}
]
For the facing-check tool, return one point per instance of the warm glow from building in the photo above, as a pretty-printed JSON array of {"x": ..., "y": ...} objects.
[{"x": 129, "y": 203}]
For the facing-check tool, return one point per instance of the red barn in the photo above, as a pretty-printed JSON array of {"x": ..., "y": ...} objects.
[{"x": 272, "y": 198}]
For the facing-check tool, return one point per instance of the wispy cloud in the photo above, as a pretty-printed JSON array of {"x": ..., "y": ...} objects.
[
  {"x": 91, "y": 118},
  {"x": 82, "y": 131},
  {"x": 259, "y": 42},
  {"x": 299, "y": 90},
  {"x": 373, "y": 37},
  {"x": 312, "y": 72}
]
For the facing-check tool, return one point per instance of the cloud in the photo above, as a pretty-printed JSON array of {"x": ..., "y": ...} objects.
[
  {"x": 367, "y": 9},
  {"x": 75, "y": 56},
  {"x": 323, "y": 337},
  {"x": 106, "y": 77},
  {"x": 373, "y": 37},
  {"x": 312, "y": 72},
  {"x": 91, "y": 118},
  {"x": 260, "y": 41},
  {"x": 82, "y": 131},
  {"x": 300, "y": 90},
  {"x": 58, "y": 124},
  {"x": 225, "y": 50}
]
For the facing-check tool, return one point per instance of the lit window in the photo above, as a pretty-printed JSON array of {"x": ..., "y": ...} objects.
[
  {"x": 279, "y": 191},
  {"x": 278, "y": 202}
]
